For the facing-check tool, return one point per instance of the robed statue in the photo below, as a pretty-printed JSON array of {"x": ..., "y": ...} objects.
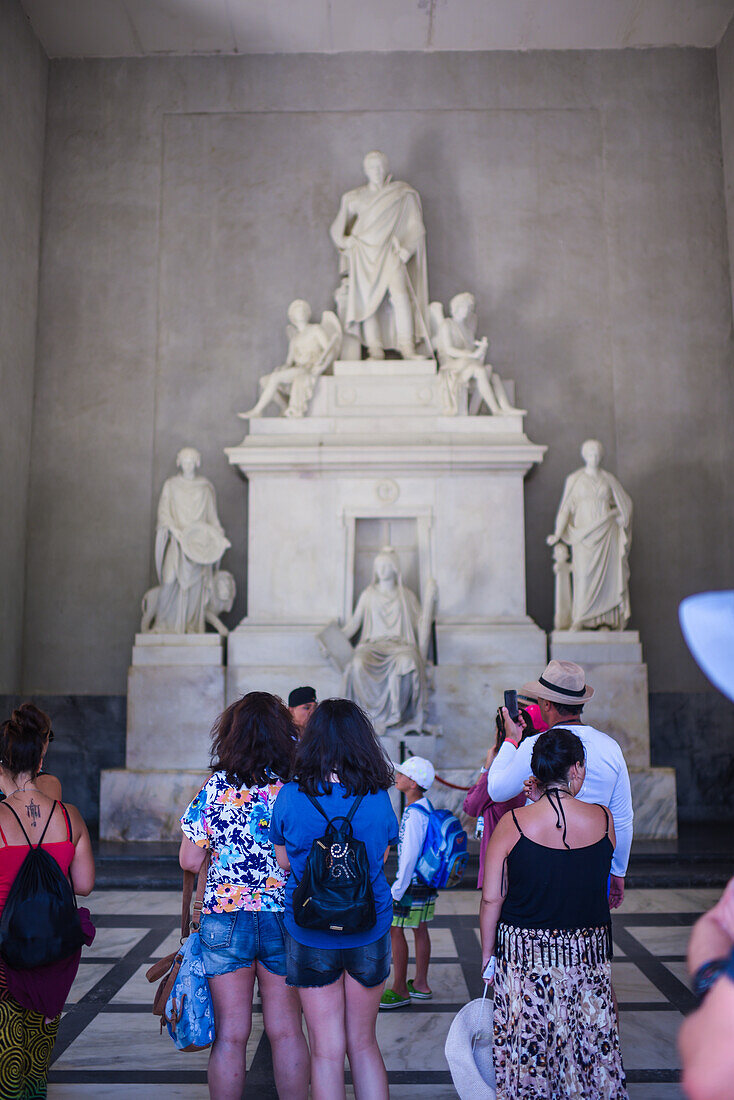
[
  {"x": 595, "y": 521},
  {"x": 189, "y": 545},
  {"x": 380, "y": 236},
  {"x": 387, "y": 672}
]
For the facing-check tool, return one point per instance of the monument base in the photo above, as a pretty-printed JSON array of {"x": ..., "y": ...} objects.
[
  {"x": 612, "y": 661},
  {"x": 145, "y": 805},
  {"x": 175, "y": 690}
]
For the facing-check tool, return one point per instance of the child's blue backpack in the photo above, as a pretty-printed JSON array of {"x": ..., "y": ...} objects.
[{"x": 443, "y": 856}]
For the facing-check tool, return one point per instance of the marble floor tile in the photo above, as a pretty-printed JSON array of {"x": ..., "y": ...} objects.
[
  {"x": 101, "y": 1046},
  {"x": 680, "y": 971},
  {"x": 138, "y": 990},
  {"x": 413, "y": 1042},
  {"x": 114, "y": 942},
  {"x": 129, "y": 1092},
  {"x": 670, "y": 940},
  {"x": 649, "y": 1039},
  {"x": 446, "y": 981},
  {"x": 413, "y": 1092},
  {"x": 459, "y": 902},
  {"x": 655, "y": 1092},
  {"x": 169, "y": 944},
  {"x": 87, "y": 976},
  {"x": 669, "y": 901},
  {"x": 442, "y": 942},
  {"x": 118, "y": 902},
  {"x": 630, "y": 984}
]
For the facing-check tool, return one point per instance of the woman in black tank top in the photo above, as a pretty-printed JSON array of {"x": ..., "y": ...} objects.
[{"x": 545, "y": 917}]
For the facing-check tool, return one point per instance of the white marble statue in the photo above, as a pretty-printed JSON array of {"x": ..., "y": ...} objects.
[
  {"x": 311, "y": 350},
  {"x": 221, "y": 598},
  {"x": 461, "y": 358},
  {"x": 594, "y": 519},
  {"x": 189, "y": 544},
  {"x": 380, "y": 236},
  {"x": 387, "y": 673}
]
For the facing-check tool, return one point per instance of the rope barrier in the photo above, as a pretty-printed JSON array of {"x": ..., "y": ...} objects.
[{"x": 445, "y": 782}]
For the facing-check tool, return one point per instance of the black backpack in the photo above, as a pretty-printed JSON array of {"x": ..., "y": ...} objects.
[
  {"x": 335, "y": 892},
  {"x": 40, "y": 921}
]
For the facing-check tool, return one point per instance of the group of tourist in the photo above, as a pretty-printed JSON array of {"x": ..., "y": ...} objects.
[
  {"x": 554, "y": 796},
  {"x": 554, "y": 793}
]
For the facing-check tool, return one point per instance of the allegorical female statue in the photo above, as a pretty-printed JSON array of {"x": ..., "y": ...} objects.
[
  {"x": 595, "y": 520},
  {"x": 387, "y": 674},
  {"x": 380, "y": 236},
  {"x": 189, "y": 544}
]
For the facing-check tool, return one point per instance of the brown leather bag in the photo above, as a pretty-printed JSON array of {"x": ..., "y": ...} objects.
[{"x": 168, "y": 967}]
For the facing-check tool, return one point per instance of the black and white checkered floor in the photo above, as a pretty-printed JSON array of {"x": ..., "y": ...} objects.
[{"x": 109, "y": 1045}]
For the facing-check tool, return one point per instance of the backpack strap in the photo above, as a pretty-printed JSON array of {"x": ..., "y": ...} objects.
[
  {"x": 353, "y": 810},
  {"x": 66, "y": 819},
  {"x": 313, "y": 802},
  {"x": 25, "y": 834},
  {"x": 421, "y": 809}
]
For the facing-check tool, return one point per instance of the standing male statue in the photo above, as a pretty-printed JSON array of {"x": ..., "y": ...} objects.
[
  {"x": 189, "y": 544},
  {"x": 595, "y": 519},
  {"x": 380, "y": 235}
]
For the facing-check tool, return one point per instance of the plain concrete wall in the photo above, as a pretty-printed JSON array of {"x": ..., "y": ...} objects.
[
  {"x": 23, "y": 72},
  {"x": 725, "y": 66},
  {"x": 187, "y": 201}
]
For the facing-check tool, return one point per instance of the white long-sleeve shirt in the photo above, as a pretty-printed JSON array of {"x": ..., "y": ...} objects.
[
  {"x": 413, "y": 829},
  {"x": 607, "y": 782}
]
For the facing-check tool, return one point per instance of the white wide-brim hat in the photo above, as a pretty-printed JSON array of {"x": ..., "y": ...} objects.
[
  {"x": 468, "y": 1051},
  {"x": 562, "y": 682},
  {"x": 707, "y": 622}
]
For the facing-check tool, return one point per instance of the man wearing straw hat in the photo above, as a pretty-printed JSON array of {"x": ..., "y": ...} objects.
[{"x": 561, "y": 693}]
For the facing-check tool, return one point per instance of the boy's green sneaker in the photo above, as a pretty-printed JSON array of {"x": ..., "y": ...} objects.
[
  {"x": 390, "y": 999},
  {"x": 418, "y": 994}
]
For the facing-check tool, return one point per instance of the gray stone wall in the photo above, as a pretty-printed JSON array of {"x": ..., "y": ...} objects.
[
  {"x": 725, "y": 66},
  {"x": 186, "y": 201},
  {"x": 23, "y": 70}
]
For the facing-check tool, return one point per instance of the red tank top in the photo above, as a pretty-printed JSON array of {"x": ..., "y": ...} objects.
[{"x": 12, "y": 856}]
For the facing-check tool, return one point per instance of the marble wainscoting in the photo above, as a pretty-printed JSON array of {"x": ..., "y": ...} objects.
[
  {"x": 89, "y": 735},
  {"x": 654, "y": 802},
  {"x": 693, "y": 732}
]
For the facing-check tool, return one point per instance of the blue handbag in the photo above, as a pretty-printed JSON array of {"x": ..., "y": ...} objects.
[
  {"x": 189, "y": 1013},
  {"x": 183, "y": 1000}
]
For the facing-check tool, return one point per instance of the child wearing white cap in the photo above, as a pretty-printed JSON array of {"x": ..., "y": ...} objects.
[{"x": 414, "y": 903}]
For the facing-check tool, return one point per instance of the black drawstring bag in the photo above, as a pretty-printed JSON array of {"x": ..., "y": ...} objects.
[
  {"x": 40, "y": 921},
  {"x": 335, "y": 892}
]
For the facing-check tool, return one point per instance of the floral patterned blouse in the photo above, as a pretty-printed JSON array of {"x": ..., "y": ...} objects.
[{"x": 235, "y": 822}]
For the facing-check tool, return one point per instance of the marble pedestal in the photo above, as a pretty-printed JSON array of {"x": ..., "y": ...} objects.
[
  {"x": 176, "y": 688},
  {"x": 614, "y": 667},
  {"x": 377, "y": 447}
]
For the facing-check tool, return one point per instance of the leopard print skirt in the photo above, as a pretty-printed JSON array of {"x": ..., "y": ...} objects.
[{"x": 555, "y": 1029}]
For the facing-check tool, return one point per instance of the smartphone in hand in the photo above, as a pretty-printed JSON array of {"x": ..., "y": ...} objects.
[{"x": 512, "y": 706}]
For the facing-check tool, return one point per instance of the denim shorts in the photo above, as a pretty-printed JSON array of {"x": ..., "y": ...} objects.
[
  {"x": 317, "y": 966},
  {"x": 230, "y": 941}
]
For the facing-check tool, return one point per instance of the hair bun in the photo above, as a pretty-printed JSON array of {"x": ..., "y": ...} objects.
[{"x": 24, "y": 737}]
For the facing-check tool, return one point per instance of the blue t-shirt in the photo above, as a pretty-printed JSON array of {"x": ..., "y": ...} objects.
[{"x": 296, "y": 823}]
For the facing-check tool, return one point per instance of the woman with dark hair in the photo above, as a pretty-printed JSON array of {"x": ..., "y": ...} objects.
[
  {"x": 545, "y": 920},
  {"x": 28, "y": 1022},
  {"x": 47, "y": 784},
  {"x": 340, "y": 975},
  {"x": 242, "y": 935}
]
